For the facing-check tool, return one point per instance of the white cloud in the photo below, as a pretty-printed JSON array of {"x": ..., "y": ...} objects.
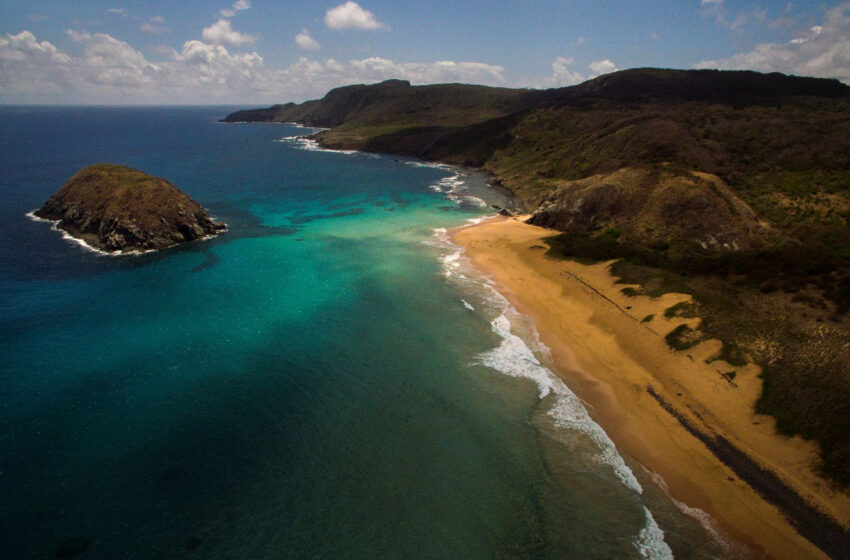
[
  {"x": 152, "y": 27},
  {"x": 334, "y": 66},
  {"x": 707, "y": 2},
  {"x": 112, "y": 71},
  {"x": 305, "y": 41},
  {"x": 222, "y": 32},
  {"x": 602, "y": 66},
  {"x": 24, "y": 47},
  {"x": 238, "y": 6},
  {"x": 562, "y": 76},
  {"x": 112, "y": 62},
  {"x": 116, "y": 10},
  {"x": 376, "y": 69},
  {"x": 157, "y": 19},
  {"x": 351, "y": 15},
  {"x": 822, "y": 52}
]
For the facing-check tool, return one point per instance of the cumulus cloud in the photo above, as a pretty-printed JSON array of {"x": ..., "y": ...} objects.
[
  {"x": 351, "y": 15},
  {"x": 24, "y": 47},
  {"x": 222, "y": 32},
  {"x": 602, "y": 66},
  {"x": 562, "y": 76},
  {"x": 115, "y": 63},
  {"x": 111, "y": 71},
  {"x": 305, "y": 41},
  {"x": 238, "y": 6},
  {"x": 823, "y": 51}
]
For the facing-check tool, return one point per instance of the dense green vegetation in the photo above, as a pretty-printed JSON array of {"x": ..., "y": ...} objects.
[{"x": 732, "y": 186}]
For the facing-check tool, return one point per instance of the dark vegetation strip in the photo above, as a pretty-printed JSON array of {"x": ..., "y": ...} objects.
[
  {"x": 807, "y": 395},
  {"x": 789, "y": 268},
  {"x": 817, "y": 527}
]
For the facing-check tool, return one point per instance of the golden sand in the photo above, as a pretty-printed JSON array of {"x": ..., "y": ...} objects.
[{"x": 606, "y": 350}]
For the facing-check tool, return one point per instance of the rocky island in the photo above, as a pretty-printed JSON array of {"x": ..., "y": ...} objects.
[{"x": 115, "y": 208}]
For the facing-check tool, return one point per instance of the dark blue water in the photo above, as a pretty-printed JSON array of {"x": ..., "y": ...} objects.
[{"x": 322, "y": 381}]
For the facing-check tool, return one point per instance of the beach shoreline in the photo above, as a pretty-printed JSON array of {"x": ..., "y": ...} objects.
[{"x": 673, "y": 412}]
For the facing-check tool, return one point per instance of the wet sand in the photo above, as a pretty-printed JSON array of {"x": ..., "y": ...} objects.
[{"x": 670, "y": 410}]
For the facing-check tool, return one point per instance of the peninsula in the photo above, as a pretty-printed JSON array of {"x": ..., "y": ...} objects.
[
  {"x": 115, "y": 208},
  {"x": 710, "y": 336}
]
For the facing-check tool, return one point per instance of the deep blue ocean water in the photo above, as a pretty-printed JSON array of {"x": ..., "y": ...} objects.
[{"x": 327, "y": 379}]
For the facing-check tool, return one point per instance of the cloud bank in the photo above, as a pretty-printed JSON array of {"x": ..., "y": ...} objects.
[{"x": 109, "y": 70}]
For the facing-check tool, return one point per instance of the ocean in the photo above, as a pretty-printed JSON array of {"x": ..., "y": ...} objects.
[{"x": 330, "y": 378}]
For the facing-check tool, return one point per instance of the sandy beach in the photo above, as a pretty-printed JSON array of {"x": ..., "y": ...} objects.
[{"x": 670, "y": 410}]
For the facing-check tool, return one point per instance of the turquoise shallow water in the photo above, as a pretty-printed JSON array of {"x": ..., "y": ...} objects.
[{"x": 328, "y": 379}]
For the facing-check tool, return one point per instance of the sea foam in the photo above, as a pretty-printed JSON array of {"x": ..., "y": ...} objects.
[
  {"x": 454, "y": 187},
  {"x": 517, "y": 357},
  {"x": 67, "y": 236},
  {"x": 428, "y": 164},
  {"x": 650, "y": 542},
  {"x": 100, "y": 252},
  {"x": 730, "y": 548},
  {"x": 311, "y": 145}
]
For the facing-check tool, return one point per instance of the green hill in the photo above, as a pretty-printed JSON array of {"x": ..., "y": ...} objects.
[{"x": 732, "y": 186}]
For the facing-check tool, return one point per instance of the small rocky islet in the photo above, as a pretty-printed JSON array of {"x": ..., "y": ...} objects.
[{"x": 115, "y": 208}]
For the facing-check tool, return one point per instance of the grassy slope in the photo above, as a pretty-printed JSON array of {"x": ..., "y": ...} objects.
[{"x": 774, "y": 144}]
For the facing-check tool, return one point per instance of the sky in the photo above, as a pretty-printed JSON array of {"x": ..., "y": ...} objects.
[{"x": 256, "y": 52}]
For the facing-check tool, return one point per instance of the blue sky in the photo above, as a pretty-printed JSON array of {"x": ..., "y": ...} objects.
[{"x": 264, "y": 51}]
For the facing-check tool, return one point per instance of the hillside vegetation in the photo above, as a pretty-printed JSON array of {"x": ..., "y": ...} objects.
[{"x": 732, "y": 186}]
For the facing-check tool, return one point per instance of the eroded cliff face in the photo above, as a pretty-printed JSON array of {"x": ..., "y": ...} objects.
[{"x": 117, "y": 208}]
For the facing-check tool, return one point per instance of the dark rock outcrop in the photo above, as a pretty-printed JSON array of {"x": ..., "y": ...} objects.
[{"x": 117, "y": 208}]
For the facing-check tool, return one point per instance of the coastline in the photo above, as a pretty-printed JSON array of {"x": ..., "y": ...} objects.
[
  {"x": 658, "y": 405},
  {"x": 100, "y": 252}
]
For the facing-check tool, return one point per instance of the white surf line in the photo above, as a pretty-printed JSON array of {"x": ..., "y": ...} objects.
[
  {"x": 100, "y": 252},
  {"x": 730, "y": 548},
  {"x": 515, "y": 358}
]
